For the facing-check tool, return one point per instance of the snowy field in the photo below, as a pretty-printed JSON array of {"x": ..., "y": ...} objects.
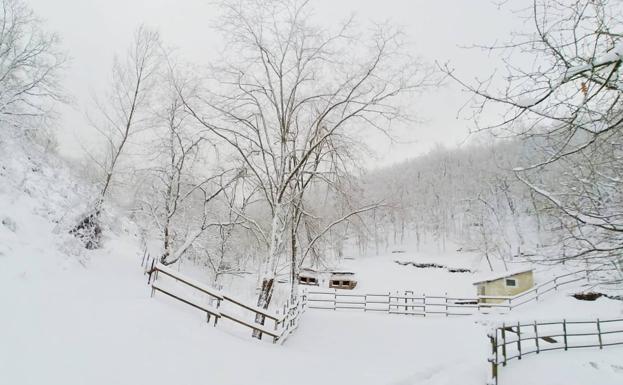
[
  {"x": 72, "y": 317},
  {"x": 575, "y": 367},
  {"x": 382, "y": 274}
]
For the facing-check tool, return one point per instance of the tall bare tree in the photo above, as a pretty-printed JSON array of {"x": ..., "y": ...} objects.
[
  {"x": 121, "y": 116},
  {"x": 289, "y": 90}
]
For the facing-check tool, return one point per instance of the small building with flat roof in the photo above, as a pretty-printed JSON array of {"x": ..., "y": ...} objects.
[
  {"x": 504, "y": 284},
  {"x": 309, "y": 277},
  {"x": 342, "y": 280}
]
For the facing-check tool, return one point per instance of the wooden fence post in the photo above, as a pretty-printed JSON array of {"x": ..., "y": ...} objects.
[
  {"x": 151, "y": 271},
  {"x": 599, "y": 334},
  {"x": 519, "y": 339},
  {"x": 536, "y": 337},
  {"x": 564, "y": 332},
  {"x": 504, "y": 344},
  {"x": 494, "y": 357}
]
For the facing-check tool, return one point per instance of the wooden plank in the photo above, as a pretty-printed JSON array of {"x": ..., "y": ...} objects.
[
  {"x": 211, "y": 311},
  {"x": 544, "y": 338},
  {"x": 406, "y": 312},
  {"x": 611, "y": 320},
  {"x": 188, "y": 281},
  {"x": 338, "y": 306},
  {"x": 252, "y": 308},
  {"x": 405, "y": 305},
  {"x": 257, "y": 327}
]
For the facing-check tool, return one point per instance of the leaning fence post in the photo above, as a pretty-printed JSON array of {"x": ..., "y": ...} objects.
[
  {"x": 564, "y": 332},
  {"x": 519, "y": 339},
  {"x": 536, "y": 337},
  {"x": 599, "y": 334},
  {"x": 151, "y": 271}
]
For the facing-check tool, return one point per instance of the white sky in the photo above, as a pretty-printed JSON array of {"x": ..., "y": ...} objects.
[{"x": 94, "y": 30}]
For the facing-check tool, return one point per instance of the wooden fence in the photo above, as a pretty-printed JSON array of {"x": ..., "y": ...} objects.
[
  {"x": 410, "y": 303},
  {"x": 514, "y": 341},
  {"x": 223, "y": 306}
]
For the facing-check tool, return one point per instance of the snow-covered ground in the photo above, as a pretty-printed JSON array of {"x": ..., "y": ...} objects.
[
  {"x": 603, "y": 367},
  {"x": 382, "y": 273},
  {"x": 73, "y": 317}
]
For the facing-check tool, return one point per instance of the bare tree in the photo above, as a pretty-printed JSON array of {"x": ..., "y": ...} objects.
[
  {"x": 122, "y": 116},
  {"x": 290, "y": 90},
  {"x": 566, "y": 100},
  {"x": 225, "y": 256},
  {"x": 30, "y": 66},
  {"x": 201, "y": 220},
  {"x": 173, "y": 179}
]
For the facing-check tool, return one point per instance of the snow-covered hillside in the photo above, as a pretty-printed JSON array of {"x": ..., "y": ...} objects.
[{"x": 72, "y": 316}]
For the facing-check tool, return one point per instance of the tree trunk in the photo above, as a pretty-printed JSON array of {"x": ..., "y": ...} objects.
[{"x": 269, "y": 268}]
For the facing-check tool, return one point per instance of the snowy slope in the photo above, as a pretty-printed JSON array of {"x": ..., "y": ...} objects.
[{"x": 73, "y": 317}]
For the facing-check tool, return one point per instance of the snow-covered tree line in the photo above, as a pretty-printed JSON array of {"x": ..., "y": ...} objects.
[
  {"x": 467, "y": 198},
  {"x": 561, "y": 89}
]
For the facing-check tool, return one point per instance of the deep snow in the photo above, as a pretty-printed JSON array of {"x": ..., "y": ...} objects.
[{"x": 73, "y": 317}]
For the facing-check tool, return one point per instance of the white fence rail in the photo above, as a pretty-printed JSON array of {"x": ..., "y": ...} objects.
[{"x": 410, "y": 303}]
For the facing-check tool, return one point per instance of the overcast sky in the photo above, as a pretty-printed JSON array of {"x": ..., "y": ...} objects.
[{"x": 94, "y": 30}]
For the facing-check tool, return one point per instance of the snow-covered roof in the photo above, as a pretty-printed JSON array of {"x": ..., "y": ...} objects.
[
  {"x": 343, "y": 273},
  {"x": 494, "y": 276},
  {"x": 309, "y": 273}
]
